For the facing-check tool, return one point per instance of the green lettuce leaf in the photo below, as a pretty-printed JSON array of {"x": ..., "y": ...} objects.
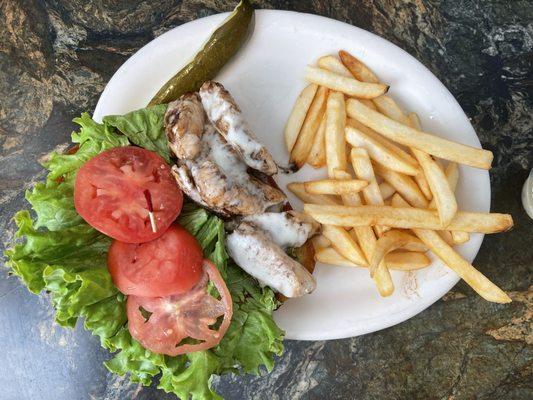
[
  {"x": 57, "y": 251},
  {"x": 144, "y": 128}
]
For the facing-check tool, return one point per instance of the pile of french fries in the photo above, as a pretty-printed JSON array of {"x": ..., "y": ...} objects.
[{"x": 389, "y": 197}]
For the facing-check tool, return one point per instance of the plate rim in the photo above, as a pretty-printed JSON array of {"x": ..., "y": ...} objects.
[{"x": 411, "y": 309}]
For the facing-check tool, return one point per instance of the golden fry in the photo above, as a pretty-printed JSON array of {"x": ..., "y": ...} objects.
[
  {"x": 438, "y": 183},
  {"x": 298, "y": 189},
  {"x": 298, "y": 113},
  {"x": 391, "y": 146},
  {"x": 320, "y": 242},
  {"x": 459, "y": 237},
  {"x": 386, "y": 190},
  {"x": 342, "y": 242},
  {"x": 407, "y": 218},
  {"x": 349, "y": 86},
  {"x": 334, "y": 136},
  {"x": 404, "y": 184},
  {"x": 335, "y": 187},
  {"x": 333, "y": 64},
  {"x": 479, "y": 282},
  {"x": 379, "y": 153},
  {"x": 363, "y": 170},
  {"x": 396, "y": 260},
  {"x": 317, "y": 155},
  {"x": 357, "y": 68},
  {"x": 408, "y": 136},
  {"x": 391, "y": 240},
  {"x": 303, "y": 144}
]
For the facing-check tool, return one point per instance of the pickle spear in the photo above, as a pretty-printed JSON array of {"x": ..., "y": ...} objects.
[{"x": 217, "y": 51}]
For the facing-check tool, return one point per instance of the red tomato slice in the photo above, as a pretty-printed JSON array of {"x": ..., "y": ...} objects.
[
  {"x": 168, "y": 265},
  {"x": 174, "y": 318},
  {"x": 109, "y": 194}
]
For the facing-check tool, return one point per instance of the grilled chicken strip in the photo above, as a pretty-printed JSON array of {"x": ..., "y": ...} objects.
[
  {"x": 256, "y": 246},
  {"x": 287, "y": 229},
  {"x": 224, "y": 113},
  {"x": 184, "y": 122},
  {"x": 209, "y": 170}
]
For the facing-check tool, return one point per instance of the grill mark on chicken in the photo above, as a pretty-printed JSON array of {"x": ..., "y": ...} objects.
[
  {"x": 224, "y": 113},
  {"x": 184, "y": 122}
]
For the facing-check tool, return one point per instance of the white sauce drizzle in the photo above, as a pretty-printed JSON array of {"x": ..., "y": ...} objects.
[
  {"x": 285, "y": 230},
  {"x": 238, "y": 134}
]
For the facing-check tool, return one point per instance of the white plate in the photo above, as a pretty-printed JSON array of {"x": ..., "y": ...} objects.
[{"x": 265, "y": 79}]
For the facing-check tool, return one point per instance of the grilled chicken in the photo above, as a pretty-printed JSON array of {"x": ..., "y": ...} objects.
[
  {"x": 209, "y": 170},
  {"x": 221, "y": 166},
  {"x": 184, "y": 122},
  {"x": 224, "y": 113},
  {"x": 287, "y": 229},
  {"x": 255, "y": 251}
]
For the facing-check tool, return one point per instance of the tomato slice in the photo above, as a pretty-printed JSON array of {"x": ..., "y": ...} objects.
[
  {"x": 110, "y": 194},
  {"x": 168, "y": 265},
  {"x": 172, "y": 319}
]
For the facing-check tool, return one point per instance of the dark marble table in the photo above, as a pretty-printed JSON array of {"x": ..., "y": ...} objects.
[{"x": 55, "y": 59}]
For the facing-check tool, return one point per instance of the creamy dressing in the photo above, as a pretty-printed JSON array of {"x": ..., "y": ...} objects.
[
  {"x": 223, "y": 113},
  {"x": 284, "y": 229},
  {"x": 229, "y": 163}
]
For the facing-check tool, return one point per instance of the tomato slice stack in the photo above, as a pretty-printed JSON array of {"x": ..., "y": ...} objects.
[{"x": 161, "y": 270}]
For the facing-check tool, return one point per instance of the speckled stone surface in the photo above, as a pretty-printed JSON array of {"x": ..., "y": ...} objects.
[{"x": 55, "y": 59}]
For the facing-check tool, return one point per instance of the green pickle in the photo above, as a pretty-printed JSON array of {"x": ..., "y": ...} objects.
[{"x": 218, "y": 50}]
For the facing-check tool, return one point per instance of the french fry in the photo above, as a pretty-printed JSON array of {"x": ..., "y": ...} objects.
[
  {"x": 386, "y": 190},
  {"x": 363, "y": 234},
  {"x": 406, "y": 260},
  {"x": 446, "y": 236},
  {"x": 416, "y": 245},
  {"x": 408, "y": 136},
  {"x": 385, "y": 104},
  {"x": 404, "y": 185},
  {"x": 342, "y": 242},
  {"x": 383, "y": 280},
  {"x": 379, "y": 153},
  {"x": 349, "y": 86},
  {"x": 407, "y": 218},
  {"x": 320, "y": 242},
  {"x": 452, "y": 175},
  {"x": 392, "y": 147},
  {"x": 477, "y": 281},
  {"x": 442, "y": 193},
  {"x": 359, "y": 70},
  {"x": 334, "y": 136},
  {"x": 422, "y": 183},
  {"x": 303, "y": 144},
  {"x": 459, "y": 237},
  {"x": 298, "y": 113},
  {"x": 396, "y": 260},
  {"x": 369, "y": 103},
  {"x": 333, "y": 64},
  {"x": 317, "y": 155},
  {"x": 420, "y": 179},
  {"x": 335, "y": 187},
  {"x": 391, "y": 240},
  {"x": 298, "y": 189},
  {"x": 363, "y": 170}
]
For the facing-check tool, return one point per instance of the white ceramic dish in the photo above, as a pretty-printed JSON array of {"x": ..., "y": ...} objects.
[{"x": 265, "y": 79}]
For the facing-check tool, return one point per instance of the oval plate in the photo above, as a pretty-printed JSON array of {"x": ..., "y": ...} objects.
[{"x": 265, "y": 78}]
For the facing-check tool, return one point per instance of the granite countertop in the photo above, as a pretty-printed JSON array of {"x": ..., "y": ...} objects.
[{"x": 55, "y": 59}]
